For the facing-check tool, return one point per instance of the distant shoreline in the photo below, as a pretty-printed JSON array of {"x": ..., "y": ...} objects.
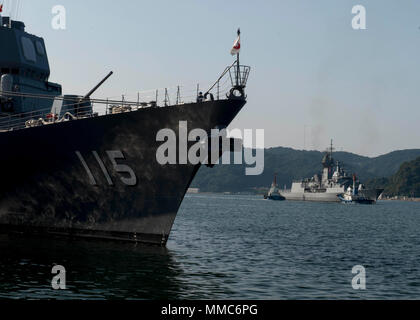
[{"x": 400, "y": 198}]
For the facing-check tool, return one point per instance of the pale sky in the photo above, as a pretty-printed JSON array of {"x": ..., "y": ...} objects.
[{"x": 309, "y": 67}]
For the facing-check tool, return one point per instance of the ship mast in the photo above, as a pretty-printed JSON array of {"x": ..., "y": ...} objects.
[{"x": 331, "y": 148}]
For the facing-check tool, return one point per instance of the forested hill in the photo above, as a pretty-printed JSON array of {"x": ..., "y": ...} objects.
[
  {"x": 290, "y": 164},
  {"x": 405, "y": 182}
]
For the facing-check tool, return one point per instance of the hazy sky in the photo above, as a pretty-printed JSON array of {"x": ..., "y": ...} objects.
[{"x": 309, "y": 67}]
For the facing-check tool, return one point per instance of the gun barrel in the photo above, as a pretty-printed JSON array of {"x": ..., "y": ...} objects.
[{"x": 87, "y": 96}]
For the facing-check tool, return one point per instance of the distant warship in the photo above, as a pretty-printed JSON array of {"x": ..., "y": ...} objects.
[
  {"x": 66, "y": 170},
  {"x": 328, "y": 187},
  {"x": 274, "y": 192}
]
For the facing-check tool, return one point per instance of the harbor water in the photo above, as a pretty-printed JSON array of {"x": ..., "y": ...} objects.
[{"x": 233, "y": 247}]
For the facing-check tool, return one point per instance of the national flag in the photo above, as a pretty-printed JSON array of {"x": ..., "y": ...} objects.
[{"x": 237, "y": 45}]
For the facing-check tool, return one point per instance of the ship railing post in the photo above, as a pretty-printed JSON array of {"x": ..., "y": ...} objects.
[{"x": 230, "y": 76}]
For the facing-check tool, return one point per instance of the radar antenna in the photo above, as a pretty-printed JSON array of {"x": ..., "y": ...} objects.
[{"x": 330, "y": 149}]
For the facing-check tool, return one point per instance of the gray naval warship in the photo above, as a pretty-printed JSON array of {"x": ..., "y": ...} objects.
[
  {"x": 330, "y": 186},
  {"x": 66, "y": 170}
]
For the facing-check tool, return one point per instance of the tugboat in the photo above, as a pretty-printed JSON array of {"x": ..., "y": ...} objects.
[
  {"x": 274, "y": 193},
  {"x": 355, "y": 194},
  {"x": 67, "y": 170},
  {"x": 327, "y": 187}
]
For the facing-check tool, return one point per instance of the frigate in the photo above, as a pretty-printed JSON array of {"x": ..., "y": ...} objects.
[
  {"x": 328, "y": 187},
  {"x": 68, "y": 170}
]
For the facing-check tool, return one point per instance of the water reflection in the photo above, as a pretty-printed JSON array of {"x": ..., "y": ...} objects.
[
  {"x": 234, "y": 247},
  {"x": 93, "y": 269}
]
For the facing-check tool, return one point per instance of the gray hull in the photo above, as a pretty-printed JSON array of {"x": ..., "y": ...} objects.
[
  {"x": 371, "y": 194},
  {"x": 310, "y": 196}
]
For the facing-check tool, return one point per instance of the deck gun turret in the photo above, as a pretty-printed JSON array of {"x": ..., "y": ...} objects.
[
  {"x": 87, "y": 96},
  {"x": 84, "y": 105}
]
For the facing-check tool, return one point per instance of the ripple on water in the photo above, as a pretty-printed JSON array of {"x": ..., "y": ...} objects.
[{"x": 234, "y": 247}]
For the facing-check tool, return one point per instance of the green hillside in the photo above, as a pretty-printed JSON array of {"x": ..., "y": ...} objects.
[
  {"x": 290, "y": 164},
  {"x": 406, "y": 182}
]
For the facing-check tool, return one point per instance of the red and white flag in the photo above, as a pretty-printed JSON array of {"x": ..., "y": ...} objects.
[{"x": 237, "y": 45}]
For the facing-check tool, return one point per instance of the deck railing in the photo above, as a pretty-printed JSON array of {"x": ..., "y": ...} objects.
[
  {"x": 75, "y": 107},
  {"x": 238, "y": 76}
]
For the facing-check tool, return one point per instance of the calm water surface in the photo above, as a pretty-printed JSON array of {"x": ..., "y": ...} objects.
[{"x": 234, "y": 247}]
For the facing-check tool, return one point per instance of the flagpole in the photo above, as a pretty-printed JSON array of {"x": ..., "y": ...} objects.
[
  {"x": 237, "y": 63},
  {"x": 237, "y": 69}
]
